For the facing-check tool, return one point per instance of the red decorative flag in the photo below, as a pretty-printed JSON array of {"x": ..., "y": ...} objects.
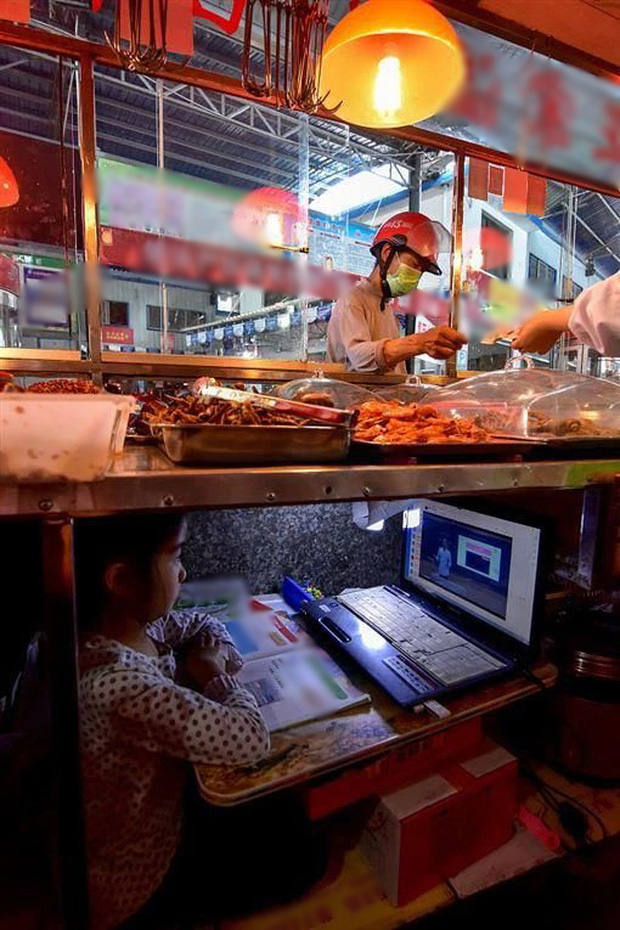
[
  {"x": 536, "y": 195},
  {"x": 515, "y": 190},
  {"x": 15, "y": 11},
  {"x": 496, "y": 180},
  {"x": 478, "y": 180}
]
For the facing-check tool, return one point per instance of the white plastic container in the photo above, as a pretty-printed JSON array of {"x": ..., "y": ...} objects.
[{"x": 60, "y": 437}]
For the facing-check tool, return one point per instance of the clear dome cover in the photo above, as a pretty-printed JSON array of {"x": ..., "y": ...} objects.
[
  {"x": 411, "y": 391},
  {"x": 536, "y": 403},
  {"x": 327, "y": 392}
]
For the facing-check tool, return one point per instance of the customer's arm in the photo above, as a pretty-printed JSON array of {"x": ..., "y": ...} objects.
[{"x": 594, "y": 319}]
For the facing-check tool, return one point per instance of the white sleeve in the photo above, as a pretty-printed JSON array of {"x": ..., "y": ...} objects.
[
  {"x": 153, "y": 712},
  {"x": 180, "y": 626},
  {"x": 595, "y": 319}
]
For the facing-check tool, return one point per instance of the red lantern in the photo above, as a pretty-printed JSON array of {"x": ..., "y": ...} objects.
[
  {"x": 9, "y": 191},
  {"x": 270, "y": 216}
]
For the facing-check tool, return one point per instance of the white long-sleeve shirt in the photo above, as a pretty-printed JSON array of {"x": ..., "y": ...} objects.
[
  {"x": 595, "y": 319},
  {"x": 359, "y": 328},
  {"x": 139, "y": 730}
]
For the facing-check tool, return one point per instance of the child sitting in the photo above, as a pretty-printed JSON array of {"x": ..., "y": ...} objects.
[{"x": 144, "y": 713}]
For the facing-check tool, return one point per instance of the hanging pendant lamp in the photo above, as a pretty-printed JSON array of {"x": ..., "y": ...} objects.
[
  {"x": 391, "y": 63},
  {"x": 9, "y": 191}
]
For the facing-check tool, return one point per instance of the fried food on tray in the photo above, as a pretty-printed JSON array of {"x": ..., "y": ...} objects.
[
  {"x": 197, "y": 411},
  {"x": 388, "y": 422},
  {"x": 541, "y": 424},
  {"x": 64, "y": 386}
]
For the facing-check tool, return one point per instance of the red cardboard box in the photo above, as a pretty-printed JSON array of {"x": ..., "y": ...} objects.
[{"x": 419, "y": 836}]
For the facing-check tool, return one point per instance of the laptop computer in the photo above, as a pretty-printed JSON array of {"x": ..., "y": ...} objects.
[{"x": 464, "y": 613}]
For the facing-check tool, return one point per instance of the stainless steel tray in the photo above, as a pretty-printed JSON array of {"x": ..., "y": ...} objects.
[
  {"x": 492, "y": 448},
  {"x": 253, "y": 445}
]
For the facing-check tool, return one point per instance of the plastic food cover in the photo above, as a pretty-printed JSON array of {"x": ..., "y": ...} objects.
[
  {"x": 327, "y": 392},
  {"x": 412, "y": 391},
  {"x": 536, "y": 403},
  {"x": 61, "y": 437}
]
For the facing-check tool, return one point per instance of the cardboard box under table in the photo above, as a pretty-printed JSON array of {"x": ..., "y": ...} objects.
[{"x": 431, "y": 830}]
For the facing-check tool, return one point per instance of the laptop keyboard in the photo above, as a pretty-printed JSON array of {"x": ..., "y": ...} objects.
[{"x": 447, "y": 656}]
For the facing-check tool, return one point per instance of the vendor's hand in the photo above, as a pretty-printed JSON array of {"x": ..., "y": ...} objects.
[
  {"x": 205, "y": 660},
  {"x": 541, "y": 333},
  {"x": 441, "y": 342}
]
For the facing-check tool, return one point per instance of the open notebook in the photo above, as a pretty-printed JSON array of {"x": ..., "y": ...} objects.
[{"x": 292, "y": 680}]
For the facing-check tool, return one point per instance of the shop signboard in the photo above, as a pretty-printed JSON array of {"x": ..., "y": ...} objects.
[
  {"x": 45, "y": 299},
  {"x": 117, "y": 335}
]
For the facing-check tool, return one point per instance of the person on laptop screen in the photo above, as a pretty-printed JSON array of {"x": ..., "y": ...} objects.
[{"x": 444, "y": 560}]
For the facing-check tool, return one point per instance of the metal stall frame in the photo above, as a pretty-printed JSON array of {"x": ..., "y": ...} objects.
[
  {"x": 148, "y": 485},
  {"x": 98, "y": 363},
  {"x": 144, "y": 480}
]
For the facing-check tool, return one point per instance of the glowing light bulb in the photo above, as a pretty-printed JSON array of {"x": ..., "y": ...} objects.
[{"x": 388, "y": 88}]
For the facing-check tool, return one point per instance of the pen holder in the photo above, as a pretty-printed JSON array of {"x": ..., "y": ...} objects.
[{"x": 295, "y": 594}]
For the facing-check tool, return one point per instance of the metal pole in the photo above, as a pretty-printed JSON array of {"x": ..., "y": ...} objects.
[
  {"x": 88, "y": 155},
  {"x": 415, "y": 197},
  {"x": 304, "y": 200},
  {"x": 60, "y": 625},
  {"x": 458, "y": 203},
  {"x": 163, "y": 287}
]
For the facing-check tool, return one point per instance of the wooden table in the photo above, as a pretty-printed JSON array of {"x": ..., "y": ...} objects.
[{"x": 381, "y": 732}]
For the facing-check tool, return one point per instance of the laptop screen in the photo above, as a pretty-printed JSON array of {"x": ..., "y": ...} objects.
[{"x": 483, "y": 565}]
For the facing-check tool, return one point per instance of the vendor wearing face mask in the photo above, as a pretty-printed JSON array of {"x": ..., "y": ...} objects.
[{"x": 363, "y": 331}]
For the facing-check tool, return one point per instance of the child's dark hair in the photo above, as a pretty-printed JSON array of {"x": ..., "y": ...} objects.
[{"x": 135, "y": 539}]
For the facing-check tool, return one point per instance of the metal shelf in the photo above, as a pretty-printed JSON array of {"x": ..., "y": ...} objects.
[{"x": 144, "y": 479}]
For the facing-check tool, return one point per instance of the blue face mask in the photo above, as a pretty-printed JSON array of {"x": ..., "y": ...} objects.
[{"x": 404, "y": 281}]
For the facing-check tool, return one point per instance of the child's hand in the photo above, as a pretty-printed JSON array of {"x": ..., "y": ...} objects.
[{"x": 205, "y": 660}]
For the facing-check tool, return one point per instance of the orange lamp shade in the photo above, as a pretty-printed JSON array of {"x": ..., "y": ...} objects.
[
  {"x": 391, "y": 63},
  {"x": 9, "y": 191}
]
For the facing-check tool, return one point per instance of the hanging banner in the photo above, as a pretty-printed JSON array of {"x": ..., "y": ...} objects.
[
  {"x": 542, "y": 111},
  {"x": 478, "y": 179},
  {"x": 515, "y": 190},
  {"x": 220, "y": 266}
]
